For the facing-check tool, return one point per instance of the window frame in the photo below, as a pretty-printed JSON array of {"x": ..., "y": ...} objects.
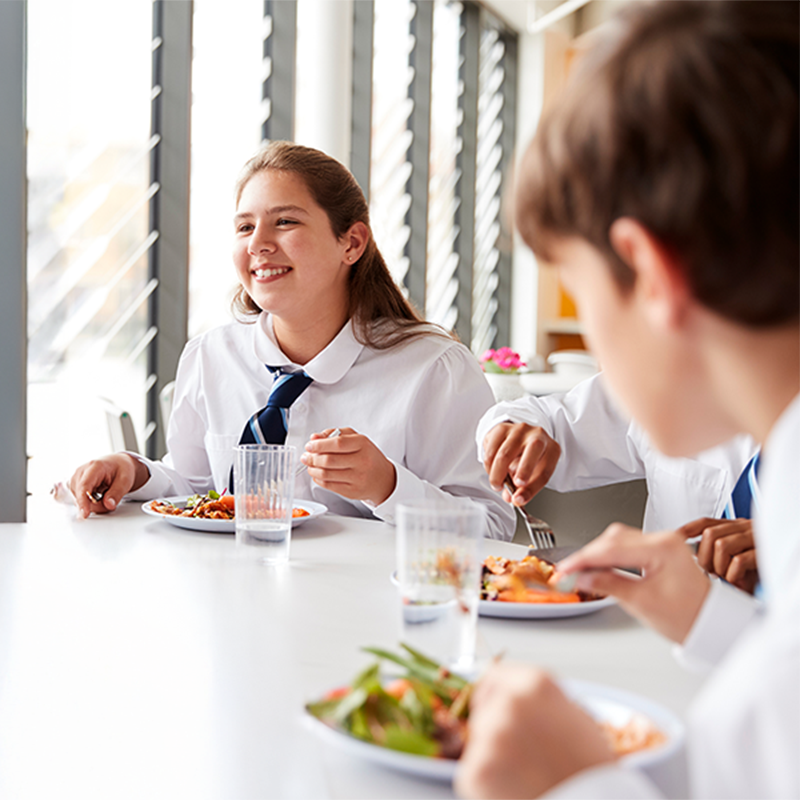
[{"x": 13, "y": 270}]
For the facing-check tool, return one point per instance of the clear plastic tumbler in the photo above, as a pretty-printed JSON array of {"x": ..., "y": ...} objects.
[{"x": 264, "y": 487}]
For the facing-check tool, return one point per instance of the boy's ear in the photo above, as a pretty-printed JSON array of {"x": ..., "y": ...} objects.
[{"x": 660, "y": 283}]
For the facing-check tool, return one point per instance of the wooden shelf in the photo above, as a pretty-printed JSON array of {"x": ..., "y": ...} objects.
[{"x": 563, "y": 325}]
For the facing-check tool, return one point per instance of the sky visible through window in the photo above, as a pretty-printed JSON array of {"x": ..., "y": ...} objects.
[{"x": 88, "y": 116}]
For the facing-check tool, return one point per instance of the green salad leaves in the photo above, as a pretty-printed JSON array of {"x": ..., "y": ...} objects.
[{"x": 423, "y": 711}]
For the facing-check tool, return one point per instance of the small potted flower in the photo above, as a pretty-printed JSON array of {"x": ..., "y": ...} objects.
[{"x": 502, "y": 368}]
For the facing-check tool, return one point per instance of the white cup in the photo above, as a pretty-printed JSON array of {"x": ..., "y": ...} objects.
[
  {"x": 264, "y": 487},
  {"x": 438, "y": 572}
]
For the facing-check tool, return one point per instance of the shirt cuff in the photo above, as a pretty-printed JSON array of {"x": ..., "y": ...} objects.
[
  {"x": 488, "y": 421},
  {"x": 156, "y": 485},
  {"x": 407, "y": 488},
  {"x": 607, "y": 782},
  {"x": 722, "y": 617}
]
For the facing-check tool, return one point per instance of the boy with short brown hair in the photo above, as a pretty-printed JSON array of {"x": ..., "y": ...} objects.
[{"x": 665, "y": 188}]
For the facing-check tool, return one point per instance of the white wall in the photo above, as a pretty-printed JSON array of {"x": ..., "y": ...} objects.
[
  {"x": 524, "y": 275},
  {"x": 324, "y": 76}
]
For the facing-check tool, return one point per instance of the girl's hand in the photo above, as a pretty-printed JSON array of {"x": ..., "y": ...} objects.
[
  {"x": 113, "y": 475},
  {"x": 727, "y": 549},
  {"x": 671, "y": 590},
  {"x": 525, "y": 736},
  {"x": 527, "y": 453},
  {"x": 350, "y": 465}
]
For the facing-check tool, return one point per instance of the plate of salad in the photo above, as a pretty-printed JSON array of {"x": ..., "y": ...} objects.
[
  {"x": 416, "y": 721},
  {"x": 216, "y": 513}
]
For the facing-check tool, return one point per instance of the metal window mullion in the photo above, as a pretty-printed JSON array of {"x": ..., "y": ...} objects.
[
  {"x": 13, "y": 288},
  {"x": 361, "y": 134},
  {"x": 279, "y": 52},
  {"x": 502, "y": 319},
  {"x": 168, "y": 258},
  {"x": 469, "y": 63},
  {"x": 419, "y": 123}
]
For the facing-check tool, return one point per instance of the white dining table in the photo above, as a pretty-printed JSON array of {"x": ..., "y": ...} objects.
[{"x": 140, "y": 660}]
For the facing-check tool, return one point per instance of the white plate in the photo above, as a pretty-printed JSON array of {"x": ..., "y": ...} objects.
[
  {"x": 438, "y": 769},
  {"x": 500, "y": 608},
  {"x": 505, "y": 610},
  {"x": 607, "y": 704},
  {"x": 224, "y": 525},
  {"x": 604, "y": 703}
]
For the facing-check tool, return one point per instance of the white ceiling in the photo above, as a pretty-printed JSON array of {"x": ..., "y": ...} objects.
[
  {"x": 513, "y": 12},
  {"x": 519, "y": 14}
]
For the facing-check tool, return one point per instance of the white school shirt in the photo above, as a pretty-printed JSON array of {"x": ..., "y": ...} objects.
[
  {"x": 743, "y": 730},
  {"x": 419, "y": 402},
  {"x": 600, "y": 445}
]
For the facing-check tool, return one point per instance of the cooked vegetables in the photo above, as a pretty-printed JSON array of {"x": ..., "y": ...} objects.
[
  {"x": 207, "y": 506},
  {"x": 423, "y": 712},
  {"x": 525, "y": 581}
]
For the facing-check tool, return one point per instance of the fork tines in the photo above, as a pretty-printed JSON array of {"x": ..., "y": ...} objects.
[{"x": 540, "y": 533}]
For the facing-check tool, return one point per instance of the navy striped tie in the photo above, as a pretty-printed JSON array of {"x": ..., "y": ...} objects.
[
  {"x": 740, "y": 504},
  {"x": 743, "y": 499},
  {"x": 270, "y": 424}
]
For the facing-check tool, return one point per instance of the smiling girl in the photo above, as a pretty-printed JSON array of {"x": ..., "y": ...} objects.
[{"x": 316, "y": 297}]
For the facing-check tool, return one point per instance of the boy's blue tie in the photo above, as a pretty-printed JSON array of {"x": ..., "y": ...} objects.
[
  {"x": 744, "y": 492},
  {"x": 270, "y": 424},
  {"x": 743, "y": 497}
]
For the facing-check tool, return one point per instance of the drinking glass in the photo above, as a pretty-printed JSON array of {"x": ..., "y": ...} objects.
[
  {"x": 439, "y": 549},
  {"x": 264, "y": 484}
]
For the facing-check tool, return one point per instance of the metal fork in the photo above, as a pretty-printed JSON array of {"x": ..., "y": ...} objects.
[{"x": 539, "y": 532}]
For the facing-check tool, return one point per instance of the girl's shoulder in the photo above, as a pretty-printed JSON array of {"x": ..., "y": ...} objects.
[
  {"x": 224, "y": 339},
  {"x": 429, "y": 346},
  {"x": 423, "y": 337}
]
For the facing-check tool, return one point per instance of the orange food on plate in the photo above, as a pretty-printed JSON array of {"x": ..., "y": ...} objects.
[
  {"x": 205, "y": 508},
  {"x": 635, "y": 735},
  {"x": 397, "y": 688},
  {"x": 532, "y": 596},
  {"x": 509, "y": 580},
  {"x": 223, "y": 507},
  {"x": 335, "y": 694}
]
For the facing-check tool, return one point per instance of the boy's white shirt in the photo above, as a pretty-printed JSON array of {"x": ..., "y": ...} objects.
[
  {"x": 600, "y": 445},
  {"x": 418, "y": 402},
  {"x": 743, "y": 734}
]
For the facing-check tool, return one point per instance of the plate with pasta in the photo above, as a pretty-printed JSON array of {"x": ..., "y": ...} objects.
[{"x": 213, "y": 513}]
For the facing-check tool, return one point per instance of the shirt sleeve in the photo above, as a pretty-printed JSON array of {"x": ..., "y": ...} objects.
[
  {"x": 440, "y": 460},
  {"x": 722, "y": 618},
  {"x": 609, "y": 782},
  {"x": 598, "y": 443}
]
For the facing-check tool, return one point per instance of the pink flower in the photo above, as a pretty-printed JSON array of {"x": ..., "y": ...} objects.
[{"x": 504, "y": 359}]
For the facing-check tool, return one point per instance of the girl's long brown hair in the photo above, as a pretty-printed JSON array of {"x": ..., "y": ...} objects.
[{"x": 382, "y": 317}]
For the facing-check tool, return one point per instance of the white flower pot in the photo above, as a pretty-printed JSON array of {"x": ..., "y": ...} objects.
[{"x": 506, "y": 386}]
